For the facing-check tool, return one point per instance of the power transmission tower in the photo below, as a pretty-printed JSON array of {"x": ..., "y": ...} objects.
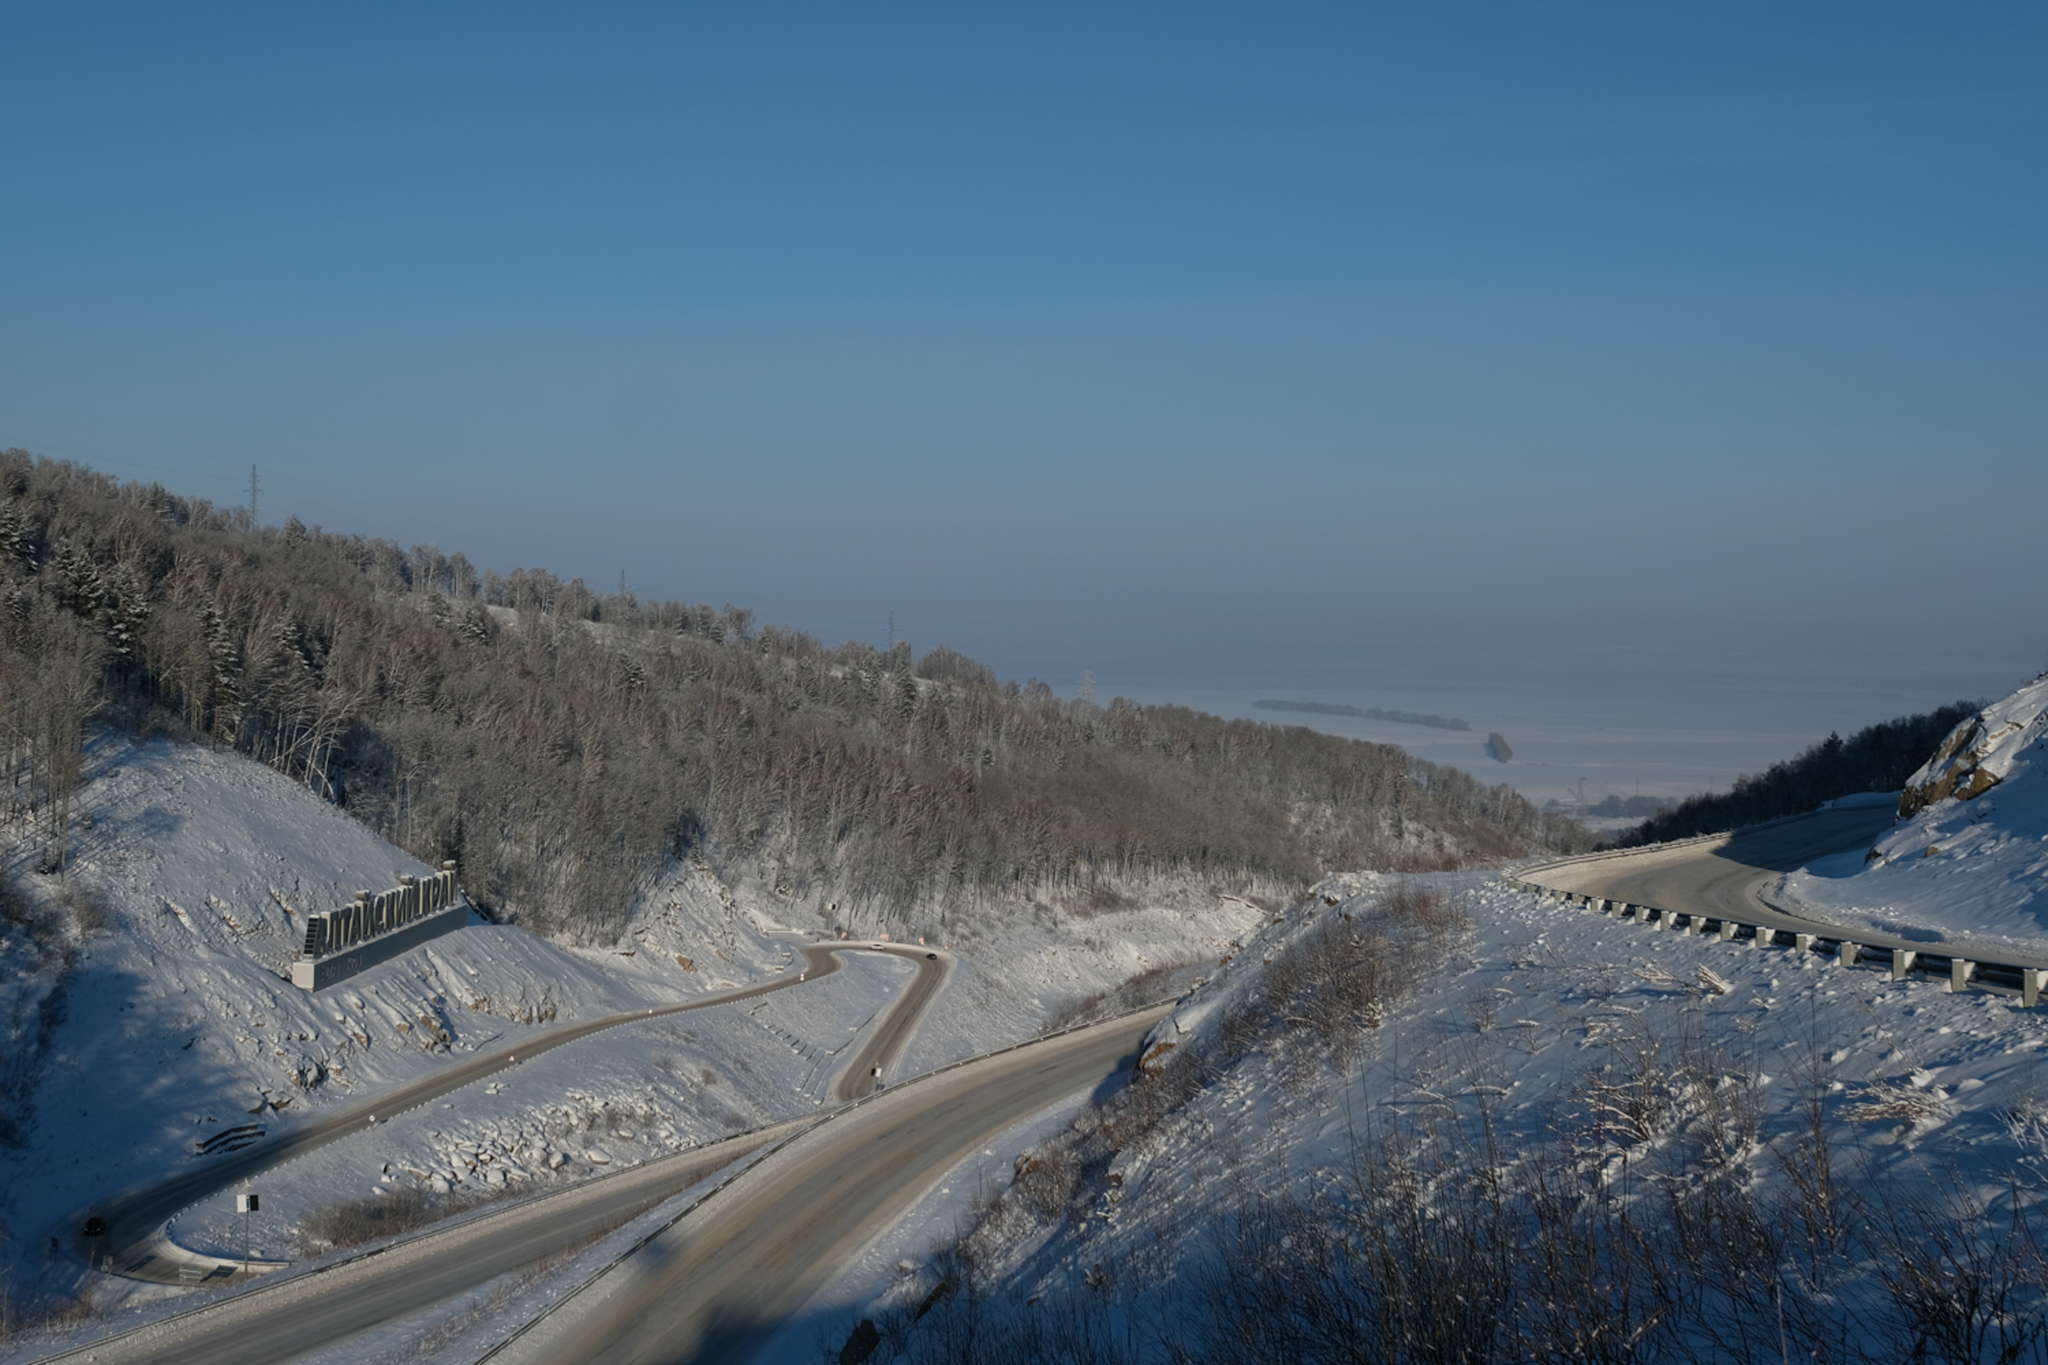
[
  {"x": 254, "y": 487},
  {"x": 1087, "y": 685}
]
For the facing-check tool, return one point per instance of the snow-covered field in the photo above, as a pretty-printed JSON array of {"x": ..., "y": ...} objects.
[
  {"x": 1971, "y": 864},
  {"x": 1517, "y": 1037},
  {"x": 1626, "y": 1065},
  {"x": 164, "y": 1015}
]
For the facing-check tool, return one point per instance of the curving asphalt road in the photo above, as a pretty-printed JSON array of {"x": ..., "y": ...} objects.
[
  {"x": 288, "y": 1315},
  {"x": 1727, "y": 879},
  {"x": 134, "y": 1218},
  {"x": 719, "y": 1283},
  {"x": 298, "y": 1313},
  {"x": 885, "y": 1046}
]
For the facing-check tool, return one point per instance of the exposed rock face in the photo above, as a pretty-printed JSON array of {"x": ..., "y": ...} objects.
[{"x": 1978, "y": 754}]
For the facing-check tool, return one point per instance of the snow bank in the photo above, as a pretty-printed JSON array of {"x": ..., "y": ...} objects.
[{"x": 1969, "y": 858}]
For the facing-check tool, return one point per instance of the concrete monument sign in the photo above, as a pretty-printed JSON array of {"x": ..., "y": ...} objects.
[{"x": 376, "y": 927}]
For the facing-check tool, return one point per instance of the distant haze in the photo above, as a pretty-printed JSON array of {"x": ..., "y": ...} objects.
[{"x": 1660, "y": 389}]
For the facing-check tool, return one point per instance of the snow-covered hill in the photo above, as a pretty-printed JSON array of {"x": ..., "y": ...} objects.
[
  {"x": 144, "y": 1004},
  {"x": 1411, "y": 1109},
  {"x": 1969, "y": 857}
]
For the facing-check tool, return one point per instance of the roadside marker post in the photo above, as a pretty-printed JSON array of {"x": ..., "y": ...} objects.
[{"x": 245, "y": 1204}]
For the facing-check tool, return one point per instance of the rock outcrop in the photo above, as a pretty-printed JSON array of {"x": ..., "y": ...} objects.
[{"x": 1978, "y": 754}]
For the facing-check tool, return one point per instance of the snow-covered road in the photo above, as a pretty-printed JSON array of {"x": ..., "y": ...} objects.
[
  {"x": 721, "y": 1282},
  {"x": 133, "y": 1220}
]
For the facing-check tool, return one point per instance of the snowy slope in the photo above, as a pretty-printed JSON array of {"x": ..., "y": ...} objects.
[
  {"x": 1021, "y": 969},
  {"x": 1552, "y": 1041},
  {"x": 1969, "y": 857},
  {"x": 174, "y": 1019}
]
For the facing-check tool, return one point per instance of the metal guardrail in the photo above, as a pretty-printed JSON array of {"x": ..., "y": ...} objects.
[
  {"x": 229, "y": 1139},
  {"x": 1964, "y": 973}
]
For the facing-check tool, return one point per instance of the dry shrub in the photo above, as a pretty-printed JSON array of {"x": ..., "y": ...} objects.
[
  {"x": 387, "y": 1213},
  {"x": 1964, "y": 1293},
  {"x": 1630, "y": 1098},
  {"x": 88, "y": 909},
  {"x": 1163, "y": 982},
  {"x": 1047, "y": 1177},
  {"x": 1345, "y": 976},
  {"x": 29, "y": 1316}
]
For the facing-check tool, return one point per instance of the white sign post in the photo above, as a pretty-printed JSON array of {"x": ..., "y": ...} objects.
[{"x": 245, "y": 1204}]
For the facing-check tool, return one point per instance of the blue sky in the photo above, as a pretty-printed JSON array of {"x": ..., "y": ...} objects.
[{"x": 1171, "y": 341}]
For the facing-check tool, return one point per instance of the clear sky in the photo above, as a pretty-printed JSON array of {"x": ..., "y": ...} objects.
[{"x": 1179, "y": 342}]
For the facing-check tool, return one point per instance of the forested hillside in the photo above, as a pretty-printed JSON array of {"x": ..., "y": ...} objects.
[
  {"x": 1877, "y": 758},
  {"x": 564, "y": 745}
]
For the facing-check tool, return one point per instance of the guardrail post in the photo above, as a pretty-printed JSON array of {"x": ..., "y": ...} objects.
[
  {"x": 1902, "y": 962},
  {"x": 1728, "y": 928},
  {"x": 1763, "y": 937},
  {"x": 1960, "y": 970},
  {"x": 1617, "y": 908},
  {"x": 2030, "y": 985},
  {"x": 1803, "y": 942},
  {"x": 1846, "y": 954},
  {"x": 1695, "y": 923}
]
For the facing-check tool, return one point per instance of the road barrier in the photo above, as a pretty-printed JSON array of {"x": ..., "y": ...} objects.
[
  {"x": 1963, "y": 973},
  {"x": 229, "y": 1140}
]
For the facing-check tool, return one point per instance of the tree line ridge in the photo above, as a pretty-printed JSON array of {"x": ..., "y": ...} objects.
[
  {"x": 1877, "y": 758},
  {"x": 566, "y": 746}
]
